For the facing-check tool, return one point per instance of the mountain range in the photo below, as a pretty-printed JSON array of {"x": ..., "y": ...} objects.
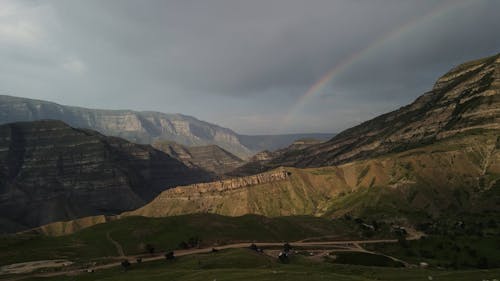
[
  {"x": 437, "y": 156},
  {"x": 146, "y": 127}
]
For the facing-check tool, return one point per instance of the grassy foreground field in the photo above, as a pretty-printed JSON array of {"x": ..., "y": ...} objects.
[
  {"x": 244, "y": 264},
  {"x": 135, "y": 234}
]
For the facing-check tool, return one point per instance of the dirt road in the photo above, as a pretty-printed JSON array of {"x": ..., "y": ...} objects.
[{"x": 349, "y": 245}]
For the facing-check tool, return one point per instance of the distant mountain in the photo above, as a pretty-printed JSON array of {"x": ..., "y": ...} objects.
[
  {"x": 464, "y": 99},
  {"x": 211, "y": 158},
  {"x": 260, "y": 161},
  {"x": 275, "y": 142},
  {"x": 50, "y": 171},
  {"x": 144, "y": 127}
]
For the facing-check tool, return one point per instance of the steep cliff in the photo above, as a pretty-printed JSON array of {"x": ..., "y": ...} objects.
[
  {"x": 50, "y": 171},
  {"x": 139, "y": 127},
  {"x": 211, "y": 158},
  {"x": 466, "y": 98}
]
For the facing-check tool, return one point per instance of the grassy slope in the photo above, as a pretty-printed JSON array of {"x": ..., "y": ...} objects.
[
  {"x": 473, "y": 243},
  {"x": 247, "y": 265},
  {"x": 133, "y": 233}
]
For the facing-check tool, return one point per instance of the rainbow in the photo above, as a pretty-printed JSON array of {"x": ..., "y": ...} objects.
[{"x": 371, "y": 48}]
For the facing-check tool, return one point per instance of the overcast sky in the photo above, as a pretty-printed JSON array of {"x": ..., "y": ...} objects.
[{"x": 241, "y": 64}]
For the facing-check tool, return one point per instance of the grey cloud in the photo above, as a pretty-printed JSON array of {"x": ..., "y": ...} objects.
[{"x": 254, "y": 57}]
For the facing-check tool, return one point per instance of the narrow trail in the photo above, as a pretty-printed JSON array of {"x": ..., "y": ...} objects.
[
  {"x": 487, "y": 160},
  {"x": 119, "y": 248}
]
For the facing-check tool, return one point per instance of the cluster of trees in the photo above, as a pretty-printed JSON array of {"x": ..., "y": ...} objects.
[
  {"x": 284, "y": 256},
  {"x": 169, "y": 255}
]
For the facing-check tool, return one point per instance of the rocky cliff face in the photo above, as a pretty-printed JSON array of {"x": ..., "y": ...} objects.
[
  {"x": 138, "y": 127},
  {"x": 161, "y": 205},
  {"x": 466, "y": 98},
  {"x": 50, "y": 171},
  {"x": 211, "y": 158}
]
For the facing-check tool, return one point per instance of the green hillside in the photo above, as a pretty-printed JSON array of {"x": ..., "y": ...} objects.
[{"x": 135, "y": 233}]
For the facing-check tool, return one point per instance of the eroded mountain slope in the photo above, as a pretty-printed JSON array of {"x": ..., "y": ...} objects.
[
  {"x": 50, "y": 171},
  {"x": 425, "y": 179},
  {"x": 466, "y": 98}
]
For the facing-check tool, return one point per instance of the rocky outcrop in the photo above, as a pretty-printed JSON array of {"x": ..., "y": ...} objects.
[
  {"x": 230, "y": 184},
  {"x": 211, "y": 158},
  {"x": 466, "y": 98},
  {"x": 200, "y": 190},
  {"x": 50, "y": 171}
]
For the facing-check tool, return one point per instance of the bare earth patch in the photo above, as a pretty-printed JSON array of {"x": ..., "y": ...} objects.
[{"x": 27, "y": 267}]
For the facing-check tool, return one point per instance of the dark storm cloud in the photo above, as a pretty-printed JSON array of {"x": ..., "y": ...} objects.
[{"x": 242, "y": 64}]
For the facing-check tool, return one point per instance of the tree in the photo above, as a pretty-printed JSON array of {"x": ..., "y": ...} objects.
[
  {"x": 253, "y": 247},
  {"x": 126, "y": 265},
  {"x": 283, "y": 257},
  {"x": 483, "y": 263},
  {"x": 183, "y": 245},
  {"x": 402, "y": 241},
  {"x": 169, "y": 255},
  {"x": 194, "y": 241},
  {"x": 150, "y": 249},
  {"x": 287, "y": 247}
]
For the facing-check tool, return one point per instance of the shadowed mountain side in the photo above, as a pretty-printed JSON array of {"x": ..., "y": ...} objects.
[{"x": 50, "y": 171}]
